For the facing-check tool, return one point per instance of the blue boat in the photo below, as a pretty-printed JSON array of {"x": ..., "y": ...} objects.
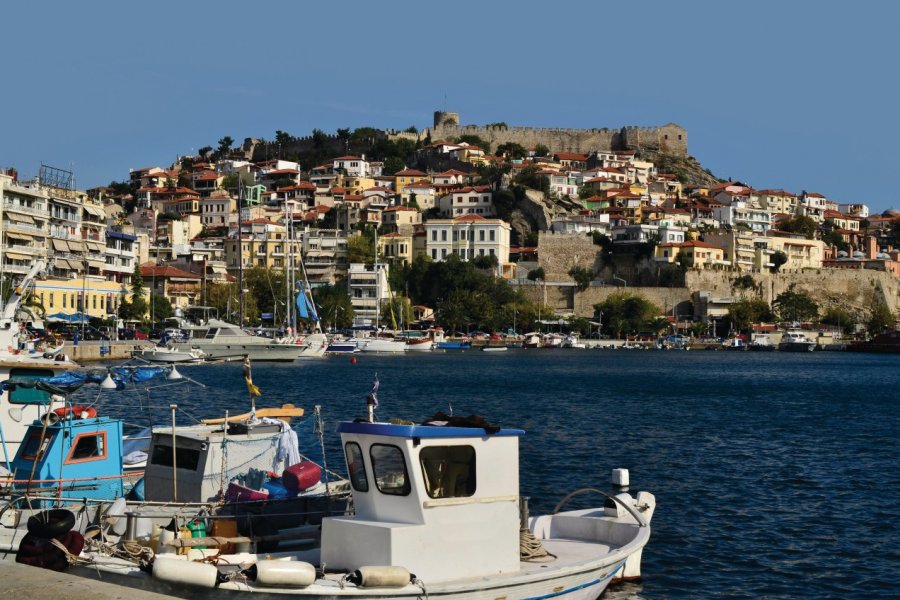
[{"x": 453, "y": 345}]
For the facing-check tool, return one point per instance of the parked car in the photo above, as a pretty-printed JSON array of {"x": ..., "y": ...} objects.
[{"x": 132, "y": 334}]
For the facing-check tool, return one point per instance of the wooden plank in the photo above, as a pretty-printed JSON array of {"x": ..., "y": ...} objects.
[{"x": 287, "y": 410}]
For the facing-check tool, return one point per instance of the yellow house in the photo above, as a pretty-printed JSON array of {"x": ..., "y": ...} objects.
[
  {"x": 94, "y": 297},
  {"x": 407, "y": 177},
  {"x": 699, "y": 254},
  {"x": 396, "y": 248}
]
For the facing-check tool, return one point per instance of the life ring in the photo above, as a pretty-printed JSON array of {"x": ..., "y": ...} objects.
[
  {"x": 49, "y": 524},
  {"x": 77, "y": 412}
]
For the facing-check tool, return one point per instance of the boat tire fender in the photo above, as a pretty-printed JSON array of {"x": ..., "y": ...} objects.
[
  {"x": 282, "y": 573},
  {"x": 52, "y": 523},
  {"x": 372, "y": 577},
  {"x": 182, "y": 572}
]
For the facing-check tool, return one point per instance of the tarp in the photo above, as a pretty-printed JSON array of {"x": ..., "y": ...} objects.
[
  {"x": 69, "y": 381},
  {"x": 68, "y": 318}
]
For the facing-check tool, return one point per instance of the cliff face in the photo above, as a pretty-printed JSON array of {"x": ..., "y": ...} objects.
[{"x": 687, "y": 168}]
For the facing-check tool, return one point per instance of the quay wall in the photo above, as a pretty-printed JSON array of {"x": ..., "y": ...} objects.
[{"x": 95, "y": 351}]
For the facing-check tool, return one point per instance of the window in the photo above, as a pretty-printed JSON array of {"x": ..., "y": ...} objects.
[
  {"x": 356, "y": 467},
  {"x": 481, "y": 235},
  {"x": 491, "y": 235},
  {"x": 389, "y": 470},
  {"x": 88, "y": 446},
  {"x": 449, "y": 471},
  {"x": 443, "y": 253},
  {"x": 34, "y": 447},
  {"x": 185, "y": 458},
  {"x": 434, "y": 253},
  {"x": 443, "y": 235}
]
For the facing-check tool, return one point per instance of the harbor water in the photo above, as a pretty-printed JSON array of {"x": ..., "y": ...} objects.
[{"x": 776, "y": 474}]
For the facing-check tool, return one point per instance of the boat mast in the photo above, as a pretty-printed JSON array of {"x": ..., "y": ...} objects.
[
  {"x": 240, "y": 255},
  {"x": 377, "y": 286}
]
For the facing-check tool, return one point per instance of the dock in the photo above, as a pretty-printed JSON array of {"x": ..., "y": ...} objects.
[
  {"x": 95, "y": 351},
  {"x": 23, "y": 581}
]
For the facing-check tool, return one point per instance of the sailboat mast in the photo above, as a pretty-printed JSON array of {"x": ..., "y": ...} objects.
[
  {"x": 240, "y": 255},
  {"x": 377, "y": 286}
]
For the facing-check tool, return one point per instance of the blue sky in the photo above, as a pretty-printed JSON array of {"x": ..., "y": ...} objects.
[{"x": 793, "y": 95}]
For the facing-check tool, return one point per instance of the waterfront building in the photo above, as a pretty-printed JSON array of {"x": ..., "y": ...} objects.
[
  {"x": 699, "y": 255},
  {"x": 367, "y": 286},
  {"x": 179, "y": 287},
  {"x": 24, "y": 220}
]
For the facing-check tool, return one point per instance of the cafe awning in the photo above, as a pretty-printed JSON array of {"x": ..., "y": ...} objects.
[{"x": 60, "y": 245}]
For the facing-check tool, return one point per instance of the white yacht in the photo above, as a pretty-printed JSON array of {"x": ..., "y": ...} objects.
[
  {"x": 795, "y": 340},
  {"x": 219, "y": 339}
]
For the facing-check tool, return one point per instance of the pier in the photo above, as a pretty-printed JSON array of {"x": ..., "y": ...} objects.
[{"x": 23, "y": 581}]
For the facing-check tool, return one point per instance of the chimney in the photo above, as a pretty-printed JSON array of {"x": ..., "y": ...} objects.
[{"x": 871, "y": 247}]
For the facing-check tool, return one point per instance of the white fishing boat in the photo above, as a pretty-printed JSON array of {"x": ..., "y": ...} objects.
[
  {"x": 21, "y": 357},
  {"x": 383, "y": 345},
  {"x": 533, "y": 339},
  {"x": 494, "y": 349},
  {"x": 438, "y": 513}
]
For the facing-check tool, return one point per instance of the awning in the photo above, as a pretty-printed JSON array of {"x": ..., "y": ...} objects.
[
  {"x": 75, "y": 246},
  {"x": 60, "y": 245},
  {"x": 24, "y": 237},
  {"x": 21, "y": 218},
  {"x": 94, "y": 210},
  {"x": 17, "y": 256},
  {"x": 96, "y": 247},
  {"x": 98, "y": 264}
]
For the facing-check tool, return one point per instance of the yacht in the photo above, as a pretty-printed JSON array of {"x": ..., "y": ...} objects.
[
  {"x": 795, "y": 340},
  {"x": 219, "y": 339}
]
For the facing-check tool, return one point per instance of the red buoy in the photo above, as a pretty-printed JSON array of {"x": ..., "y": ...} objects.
[{"x": 352, "y": 360}]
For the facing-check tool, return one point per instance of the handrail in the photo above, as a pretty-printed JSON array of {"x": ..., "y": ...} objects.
[{"x": 638, "y": 517}]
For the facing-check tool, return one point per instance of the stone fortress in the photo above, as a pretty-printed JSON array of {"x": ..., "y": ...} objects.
[{"x": 667, "y": 139}]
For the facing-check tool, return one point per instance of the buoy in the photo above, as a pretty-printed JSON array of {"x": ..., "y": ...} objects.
[
  {"x": 352, "y": 360},
  {"x": 283, "y": 573},
  {"x": 174, "y": 374},
  {"x": 108, "y": 383},
  {"x": 115, "y": 516},
  {"x": 78, "y": 412},
  {"x": 183, "y": 572}
]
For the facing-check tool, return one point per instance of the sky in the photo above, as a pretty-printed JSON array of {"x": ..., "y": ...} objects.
[{"x": 792, "y": 95}]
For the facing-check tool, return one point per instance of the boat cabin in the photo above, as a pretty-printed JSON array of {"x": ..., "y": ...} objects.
[
  {"x": 437, "y": 500},
  {"x": 188, "y": 466},
  {"x": 72, "y": 457}
]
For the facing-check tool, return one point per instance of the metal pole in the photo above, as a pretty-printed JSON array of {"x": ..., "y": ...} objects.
[
  {"x": 240, "y": 258},
  {"x": 173, "y": 407}
]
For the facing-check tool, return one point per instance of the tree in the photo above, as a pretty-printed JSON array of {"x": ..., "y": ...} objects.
[
  {"x": 225, "y": 145},
  {"x": 536, "y": 274},
  {"x": 833, "y": 238},
  {"x": 392, "y": 164},
  {"x": 512, "y": 150},
  {"x": 685, "y": 260},
  {"x": 474, "y": 140},
  {"x": 624, "y": 311},
  {"x": 204, "y": 151},
  {"x": 795, "y": 306},
  {"x": 137, "y": 308},
  {"x": 224, "y": 297},
  {"x": 541, "y": 150},
  {"x": 361, "y": 248},
  {"x": 895, "y": 231},
  {"x": 777, "y": 259},
  {"x": 582, "y": 276},
  {"x": 529, "y": 178},
  {"x": 487, "y": 262},
  {"x": 881, "y": 318},
  {"x": 744, "y": 313},
  {"x": 282, "y": 137},
  {"x": 161, "y": 307},
  {"x": 840, "y": 317},
  {"x": 800, "y": 224},
  {"x": 744, "y": 283},
  {"x": 335, "y": 306}
]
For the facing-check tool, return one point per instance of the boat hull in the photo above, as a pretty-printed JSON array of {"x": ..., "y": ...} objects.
[
  {"x": 256, "y": 352},
  {"x": 796, "y": 346}
]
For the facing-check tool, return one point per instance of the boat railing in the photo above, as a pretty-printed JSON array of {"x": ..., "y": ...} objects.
[{"x": 637, "y": 516}]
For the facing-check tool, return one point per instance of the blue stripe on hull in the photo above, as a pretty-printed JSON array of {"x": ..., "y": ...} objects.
[{"x": 587, "y": 584}]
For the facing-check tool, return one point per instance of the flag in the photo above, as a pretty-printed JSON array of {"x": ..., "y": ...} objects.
[
  {"x": 374, "y": 394},
  {"x": 248, "y": 379}
]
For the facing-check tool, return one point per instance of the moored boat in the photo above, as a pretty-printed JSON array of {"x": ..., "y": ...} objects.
[
  {"x": 795, "y": 340},
  {"x": 437, "y": 512}
]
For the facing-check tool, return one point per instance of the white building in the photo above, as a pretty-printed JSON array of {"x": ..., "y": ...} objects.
[
  {"x": 468, "y": 237},
  {"x": 467, "y": 201},
  {"x": 354, "y": 166},
  {"x": 367, "y": 287}
]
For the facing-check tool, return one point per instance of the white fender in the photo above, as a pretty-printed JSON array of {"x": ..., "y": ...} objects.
[
  {"x": 383, "y": 577},
  {"x": 115, "y": 516},
  {"x": 182, "y": 572},
  {"x": 285, "y": 573}
]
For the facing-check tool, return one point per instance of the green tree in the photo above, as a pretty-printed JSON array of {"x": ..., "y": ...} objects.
[
  {"x": 800, "y": 224},
  {"x": 536, "y": 274},
  {"x": 777, "y": 259},
  {"x": 541, "y": 150},
  {"x": 529, "y": 178},
  {"x": 137, "y": 308},
  {"x": 744, "y": 313},
  {"x": 795, "y": 306},
  {"x": 744, "y": 283},
  {"x": 487, "y": 262},
  {"x": 881, "y": 318},
  {"x": 833, "y": 238},
  {"x": 361, "y": 248},
  {"x": 840, "y": 317},
  {"x": 204, "y": 151},
  {"x": 512, "y": 150},
  {"x": 685, "y": 260},
  {"x": 225, "y": 145},
  {"x": 226, "y": 299},
  {"x": 393, "y": 164},
  {"x": 624, "y": 311},
  {"x": 582, "y": 276},
  {"x": 474, "y": 140},
  {"x": 282, "y": 137},
  {"x": 161, "y": 307},
  {"x": 334, "y": 305}
]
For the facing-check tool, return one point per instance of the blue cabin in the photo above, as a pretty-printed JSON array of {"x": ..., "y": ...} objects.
[{"x": 72, "y": 457}]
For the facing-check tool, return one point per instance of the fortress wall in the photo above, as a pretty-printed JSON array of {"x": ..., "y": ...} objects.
[{"x": 559, "y": 252}]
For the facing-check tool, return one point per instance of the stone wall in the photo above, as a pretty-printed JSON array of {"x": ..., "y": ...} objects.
[{"x": 559, "y": 252}]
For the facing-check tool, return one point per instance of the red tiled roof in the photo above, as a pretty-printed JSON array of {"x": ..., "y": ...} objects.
[
  {"x": 410, "y": 173},
  {"x": 165, "y": 271}
]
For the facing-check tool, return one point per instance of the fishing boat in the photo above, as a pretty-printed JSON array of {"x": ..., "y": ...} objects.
[
  {"x": 795, "y": 340},
  {"x": 437, "y": 513},
  {"x": 20, "y": 357},
  {"x": 74, "y": 460},
  {"x": 887, "y": 342},
  {"x": 494, "y": 349},
  {"x": 342, "y": 346},
  {"x": 533, "y": 339},
  {"x": 762, "y": 343}
]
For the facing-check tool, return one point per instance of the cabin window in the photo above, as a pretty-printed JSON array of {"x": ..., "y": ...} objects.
[
  {"x": 185, "y": 458},
  {"x": 88, "y": 446},
  {"x": 449, "y": 471},
  {"x": 389, "y": 470},
  {"x": 24, "y": 395},
  {"x": 356, "y": 467},
  {"x": 35, "y": 446}
]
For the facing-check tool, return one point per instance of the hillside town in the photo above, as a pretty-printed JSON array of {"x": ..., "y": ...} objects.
[{"x": 607, "y": 219}]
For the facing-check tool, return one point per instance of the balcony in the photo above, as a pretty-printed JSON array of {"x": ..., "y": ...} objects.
[
  {"x": 25, "y": 210},
  {"x": 14, "y": 268},
  {"x": 13, "y": 226},
  {"x": 31, "y": 250}
]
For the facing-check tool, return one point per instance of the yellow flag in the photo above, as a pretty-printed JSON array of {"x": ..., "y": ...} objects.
[{"x": 252, "y": 388}]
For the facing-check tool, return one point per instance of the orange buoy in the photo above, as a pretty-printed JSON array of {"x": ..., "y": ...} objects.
[{"x": 77, "y": 412}]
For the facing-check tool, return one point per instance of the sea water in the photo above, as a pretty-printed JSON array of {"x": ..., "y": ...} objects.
[{"x": 776, "y": 474}]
